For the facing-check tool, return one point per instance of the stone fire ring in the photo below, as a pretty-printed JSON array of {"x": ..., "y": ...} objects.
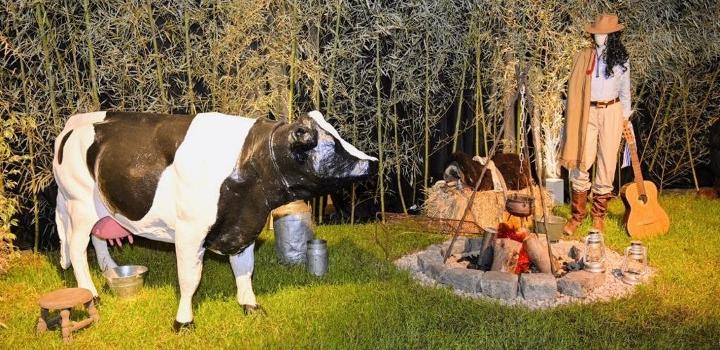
[{"x": 534, "y": 290}]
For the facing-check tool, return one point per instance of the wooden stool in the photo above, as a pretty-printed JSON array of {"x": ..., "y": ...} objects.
[{"x": 64, "y": 300}]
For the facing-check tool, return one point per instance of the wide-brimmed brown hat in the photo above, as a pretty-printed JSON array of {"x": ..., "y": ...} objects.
[{"x": 604, "y": 24}]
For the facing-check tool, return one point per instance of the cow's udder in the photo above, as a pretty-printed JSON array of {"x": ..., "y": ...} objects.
[{"x": 108, "y": 228}]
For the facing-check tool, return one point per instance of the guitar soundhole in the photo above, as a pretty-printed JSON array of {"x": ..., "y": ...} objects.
[{"x": 643, "y": 198}]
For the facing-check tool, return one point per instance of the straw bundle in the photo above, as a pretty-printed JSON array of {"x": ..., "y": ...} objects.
[{"x": 488, "y": 207}]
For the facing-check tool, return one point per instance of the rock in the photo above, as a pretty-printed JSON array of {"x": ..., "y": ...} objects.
[
  {"x": 458, "y": 247},
  {"x": 427, "y": 258},
  {"x": 572, "y": 266},
  {"x": 435, "y": 270},
  {"x": 485, "y": 259},
  {"x": 467, "y": 280},
  {"x": 579, "y": 283},
  {"x": 468, "y": 254},
  {"x": 575, "y": 253},
  {"x": 473, "y": 244},
  {"x": 501, "y": 285},
  {"x": 538, "y": 286}
]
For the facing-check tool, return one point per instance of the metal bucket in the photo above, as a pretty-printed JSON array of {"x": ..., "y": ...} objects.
[
  {"x": 291, "y": 235},
  {"x": 126, "y": 281},
  {"x": 555, "y": 227},
  {"x": 317, "y": 257}
]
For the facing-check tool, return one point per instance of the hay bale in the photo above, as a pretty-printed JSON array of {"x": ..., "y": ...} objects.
[{"x": 447, "y": 202}]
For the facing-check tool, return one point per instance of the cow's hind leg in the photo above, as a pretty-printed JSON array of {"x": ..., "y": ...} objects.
[
  {"x": 62, "y": 224},
  {"x": 242, "y": 266},
  {"x": 82, "y": 219}
]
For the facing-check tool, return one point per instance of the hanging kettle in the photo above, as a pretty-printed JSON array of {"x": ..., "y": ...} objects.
[{"x": 520, "y": 205}]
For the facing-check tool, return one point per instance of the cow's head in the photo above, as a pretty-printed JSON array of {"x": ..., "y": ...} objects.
[{"x": 315, "y": 159}]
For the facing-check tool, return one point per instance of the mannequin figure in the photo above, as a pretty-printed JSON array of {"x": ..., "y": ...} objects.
[{"x": 597, "y": 111}]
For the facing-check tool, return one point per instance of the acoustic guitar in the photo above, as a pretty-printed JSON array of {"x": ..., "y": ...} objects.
[{"x": 644, "y": 218}]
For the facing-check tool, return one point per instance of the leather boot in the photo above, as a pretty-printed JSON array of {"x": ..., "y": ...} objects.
[
  {"x": 578, "y": 207},
  {"x": 599, "y": 209}
]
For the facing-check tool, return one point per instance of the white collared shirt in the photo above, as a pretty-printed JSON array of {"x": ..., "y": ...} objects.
[{"x": 617, "y": 85}]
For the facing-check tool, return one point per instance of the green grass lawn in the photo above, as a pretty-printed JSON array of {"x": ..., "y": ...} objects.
[{"x": 365, "y": 302}]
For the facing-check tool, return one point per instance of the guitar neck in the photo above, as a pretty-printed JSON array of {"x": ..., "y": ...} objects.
[{"x": 637, "y": 171}]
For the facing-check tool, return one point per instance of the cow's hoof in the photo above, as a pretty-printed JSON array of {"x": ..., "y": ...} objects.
[
  {"x": 180, "y": 326},
  {"x": 254, "y": 310}
]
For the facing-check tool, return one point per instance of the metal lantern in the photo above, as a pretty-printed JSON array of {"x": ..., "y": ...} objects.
[
  {"x": 594, "y": 258},
  {"x": 635, "y": 263}
]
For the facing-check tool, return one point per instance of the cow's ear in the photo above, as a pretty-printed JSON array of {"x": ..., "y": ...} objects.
[{"x": 303, "y": 136}]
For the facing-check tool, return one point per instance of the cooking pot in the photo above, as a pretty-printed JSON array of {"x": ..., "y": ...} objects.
[{"x": 520, "y": 205}]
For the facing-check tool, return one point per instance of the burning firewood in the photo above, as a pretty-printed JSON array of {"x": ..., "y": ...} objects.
[
  {"x": 506, "y": 255},
  {"x": 516, "y": 250},
  {"x": 537, "y": 251}
]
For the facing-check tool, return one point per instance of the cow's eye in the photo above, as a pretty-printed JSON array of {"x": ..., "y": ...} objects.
[{"x": 299, "y": 132}]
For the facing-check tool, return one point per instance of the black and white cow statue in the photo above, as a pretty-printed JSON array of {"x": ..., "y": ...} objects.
[{"x": 205, "y": 181}]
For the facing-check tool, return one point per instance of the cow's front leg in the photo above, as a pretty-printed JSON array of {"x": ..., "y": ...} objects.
[
  {"x": 242, "y": 266},
  {"x": 189, "y": 252}
]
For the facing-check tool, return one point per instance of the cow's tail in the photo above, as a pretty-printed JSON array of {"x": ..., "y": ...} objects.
[{"x": 62, "y": 228}]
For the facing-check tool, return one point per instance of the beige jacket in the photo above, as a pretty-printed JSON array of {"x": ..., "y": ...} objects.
[{"x": 578, "y": 109}]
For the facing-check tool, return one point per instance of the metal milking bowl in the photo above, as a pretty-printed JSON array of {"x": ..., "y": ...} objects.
[{"x": 127, "y": 280}]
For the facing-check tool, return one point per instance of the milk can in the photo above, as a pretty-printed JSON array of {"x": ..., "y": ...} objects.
[
  {"x": 292, "y": 231},
  {"x": 317, "y": 257}
]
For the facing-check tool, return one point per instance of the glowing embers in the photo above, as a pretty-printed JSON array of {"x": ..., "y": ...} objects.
[{"x": 512, "y": 248}]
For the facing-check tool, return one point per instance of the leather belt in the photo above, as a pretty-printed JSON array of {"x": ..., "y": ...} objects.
[{"x": 603, "y": 104}]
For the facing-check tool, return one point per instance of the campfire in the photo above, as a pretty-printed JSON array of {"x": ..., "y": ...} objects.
[
  {"x": 514, "y": 249},
  {"x": 509, "y": 249},
  {"x": 511, "y": 264}
]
